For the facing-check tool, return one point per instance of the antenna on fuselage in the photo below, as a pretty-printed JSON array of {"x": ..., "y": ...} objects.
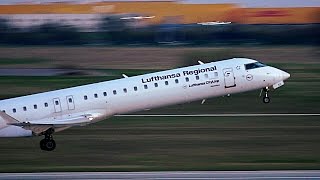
[
  {"x": 125, "y": 76},
  {"x": 200, "y": 62},
  {"x": 203, "y": 101}
]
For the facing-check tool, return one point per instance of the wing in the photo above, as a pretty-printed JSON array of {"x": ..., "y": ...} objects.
[
  {"x": 8, "y": 119},
  {"x": 40, "y": 126}
]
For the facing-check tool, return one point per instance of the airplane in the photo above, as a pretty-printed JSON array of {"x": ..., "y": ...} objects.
[
  {"x": 137, "y": 17},
  {"x": 54, "y": 111},
  {"x": 214, "y": 23}
]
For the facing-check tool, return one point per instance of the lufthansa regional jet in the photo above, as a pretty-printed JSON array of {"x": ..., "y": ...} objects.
[{"x": 54, "y": 111}]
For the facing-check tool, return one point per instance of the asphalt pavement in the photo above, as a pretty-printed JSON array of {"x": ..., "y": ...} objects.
[{"x": 172, "y": 175}]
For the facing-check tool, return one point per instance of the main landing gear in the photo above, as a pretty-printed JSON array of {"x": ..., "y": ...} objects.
[
  {"x": 266, "y": 98},
  {"x": 48, "y": 144}
]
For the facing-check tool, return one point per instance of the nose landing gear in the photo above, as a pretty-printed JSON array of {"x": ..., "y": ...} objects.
[
  {"x": 48, "y": 144},
  {"x": 265, "y": 98}
]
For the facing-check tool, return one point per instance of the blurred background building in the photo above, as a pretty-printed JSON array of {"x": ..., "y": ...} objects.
[{"x": 161, "y": 21}]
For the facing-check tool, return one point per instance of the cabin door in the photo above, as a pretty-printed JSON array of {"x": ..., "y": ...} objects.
[
  {"x": 57, "y": 105},
  {"x": 229, "y": 79},
  {"x": 70, "y": 102}
]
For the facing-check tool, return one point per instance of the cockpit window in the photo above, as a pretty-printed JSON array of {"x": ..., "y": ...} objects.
[{"x": 254, "y": 65}]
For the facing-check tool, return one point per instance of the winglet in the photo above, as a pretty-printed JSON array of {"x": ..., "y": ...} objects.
[{"x": 8, "y": 119}]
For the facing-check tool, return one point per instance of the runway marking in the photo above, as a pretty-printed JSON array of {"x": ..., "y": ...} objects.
[
  {"x": 238, "y": 178},
  {"x": 165, "y": 175},
  {"x": 211, "y": 115}
]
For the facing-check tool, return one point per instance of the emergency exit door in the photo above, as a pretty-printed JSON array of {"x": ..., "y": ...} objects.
[
  {"x": 57, "y": 105},
  {"x": 70, "y": 102}
]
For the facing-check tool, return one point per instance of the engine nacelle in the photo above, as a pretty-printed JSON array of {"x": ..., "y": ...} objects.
[{"x": 14, "y": 131}]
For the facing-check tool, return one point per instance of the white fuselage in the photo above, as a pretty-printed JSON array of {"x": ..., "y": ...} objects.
[{"x": 105, "y": 99}]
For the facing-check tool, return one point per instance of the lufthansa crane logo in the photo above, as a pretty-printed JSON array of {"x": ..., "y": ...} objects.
[{"x": 249, "y": 77}]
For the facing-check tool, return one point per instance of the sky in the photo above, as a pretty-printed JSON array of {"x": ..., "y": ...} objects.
[{"x": 244, "y": 3}]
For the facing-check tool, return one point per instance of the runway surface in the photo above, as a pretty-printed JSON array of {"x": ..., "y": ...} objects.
[
  {"x": 212, "y": 115},
  {"x": 172, "y": 175}
]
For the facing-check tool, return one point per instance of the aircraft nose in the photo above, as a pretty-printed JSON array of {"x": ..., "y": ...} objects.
[{"x": 285, "y": 75}]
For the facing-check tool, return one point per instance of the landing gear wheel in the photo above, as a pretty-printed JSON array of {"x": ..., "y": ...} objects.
[
  {"x": 42, "y": 144},
  {"x": 50, "y": 145},
  {"x": 47, "y": 145},
  {"x": 266, "y": 100}
]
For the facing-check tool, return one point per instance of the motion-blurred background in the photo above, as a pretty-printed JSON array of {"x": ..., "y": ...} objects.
[
  {"x": 156, "y": 22},
  {"x": 47, "y": 45}
]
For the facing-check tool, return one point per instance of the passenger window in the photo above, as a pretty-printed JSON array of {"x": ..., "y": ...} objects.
[
  {"x": 25, "y": 108},
  {"x": 96, "y": 95},
  {"x": 216, "y": 74},
  {"x": 14, "y": 110},
  {"x": 155, "y": 84},
  {"x": 57, "y": 102},
  {"x": 70, "y": 100},
  {"x": 35, "y": 106},
  {"x": 125, "y": 90},
  {"x": 105, "y": 93},
  {"x": 145, "y": 86},
  {"x": 177, "y": 81},
  {"x": 166, "y": 82},
  {"x": 135, "y": 88},
  {"x": 206, "y": 76},
  {"x": 187, "y": 79},
  {"x": 114, "y": 92},
  {"x": 197, "y": 77},
  {"x": 85, "y": 97},
  {"x": 45, "y": 104}
]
